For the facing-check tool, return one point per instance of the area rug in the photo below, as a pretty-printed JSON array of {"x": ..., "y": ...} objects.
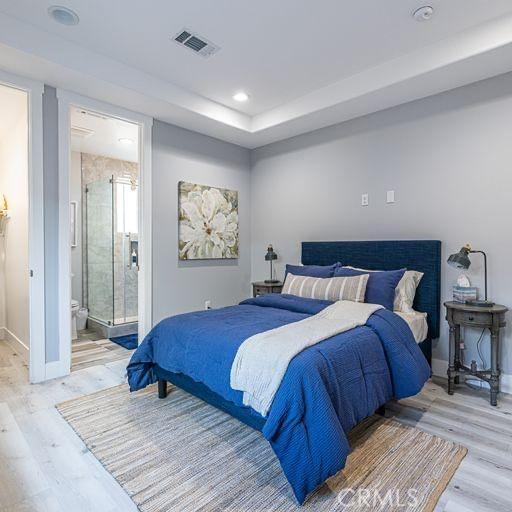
[
  {"x": 181, "y": 454},
  {"x": 130, "y": 341}
]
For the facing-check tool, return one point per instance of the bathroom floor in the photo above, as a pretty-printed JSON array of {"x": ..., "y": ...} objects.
[{"x": 90, "y": 349}]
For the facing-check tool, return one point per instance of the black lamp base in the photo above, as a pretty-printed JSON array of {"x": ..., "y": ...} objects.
[
  {"x": 480, "y": 303},
  {"x": 271, "y": 281}
]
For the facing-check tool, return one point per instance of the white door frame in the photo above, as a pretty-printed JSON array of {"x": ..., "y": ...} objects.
[
  {"x": 37, "y": 346},
  {"x": 66, "y": 100}
]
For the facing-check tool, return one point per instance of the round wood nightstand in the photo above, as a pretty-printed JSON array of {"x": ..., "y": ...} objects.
[{"x": 492, "y": 318}]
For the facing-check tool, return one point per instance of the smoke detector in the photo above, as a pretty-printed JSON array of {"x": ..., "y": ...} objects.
[
  {"x": 193, "y": 41},
  {"x": 423, "y": 13}
]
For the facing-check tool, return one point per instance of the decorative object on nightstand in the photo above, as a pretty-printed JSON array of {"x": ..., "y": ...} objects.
[
  {"x": 262, "y": 287},
  {"x": 464, "y": 294},
  {"x": 461, "y": 260},
  {"x": 490, "y": 317},
  {"x": 271, "y": 256}
]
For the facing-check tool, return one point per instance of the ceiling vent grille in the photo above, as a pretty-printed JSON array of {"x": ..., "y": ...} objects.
[
  {"x": 81, "y": 132},
  {"x": 195, "y": 42}
]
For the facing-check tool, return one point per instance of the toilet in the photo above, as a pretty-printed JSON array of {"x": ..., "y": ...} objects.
[{"x": 74, "y": 310}]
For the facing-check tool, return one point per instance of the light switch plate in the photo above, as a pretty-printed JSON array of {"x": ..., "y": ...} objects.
[
  {"x": 364, "y": 200},
  {"x": 390, "y": 196}
]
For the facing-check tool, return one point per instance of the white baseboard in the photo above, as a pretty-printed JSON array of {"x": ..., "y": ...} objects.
[
  {"x": 16, "y": 344},
  {"x": 439, "y": 367}
]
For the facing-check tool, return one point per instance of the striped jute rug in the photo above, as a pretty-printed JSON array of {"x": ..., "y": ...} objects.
[{"x": 180, "y": 454}]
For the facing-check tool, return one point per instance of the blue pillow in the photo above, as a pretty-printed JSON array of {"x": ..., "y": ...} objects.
[
  {"x": 312, "y": 270},
  {"x": 381, "y": 285}
]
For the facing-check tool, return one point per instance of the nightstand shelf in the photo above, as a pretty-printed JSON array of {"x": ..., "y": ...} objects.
[
  {"x": 492, "y": 318},
  {"x": 261, "y": 288}
]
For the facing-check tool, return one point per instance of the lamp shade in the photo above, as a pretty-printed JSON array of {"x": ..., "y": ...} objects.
[
  {"x": 460, "y": 259},
  {"x": 271, "y": 255}
]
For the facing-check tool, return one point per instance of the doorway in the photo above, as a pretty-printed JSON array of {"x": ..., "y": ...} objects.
[
  {"x": 14, "y": 268},
  {"x": 105, "y": 173},
  {"x": 104, "y": 193},
  {"x": 22, "y": 308}
]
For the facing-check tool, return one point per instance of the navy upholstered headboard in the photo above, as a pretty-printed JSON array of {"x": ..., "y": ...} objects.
[{"x": 421, "y": 255}]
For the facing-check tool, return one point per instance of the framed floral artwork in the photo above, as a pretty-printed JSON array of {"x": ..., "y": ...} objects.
[{"x": 208, "y": 222}]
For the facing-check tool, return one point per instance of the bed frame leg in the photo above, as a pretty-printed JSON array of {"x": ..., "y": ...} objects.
[
  {"x": 162, "y": 388},
  {"x": 381, "y": 411}
]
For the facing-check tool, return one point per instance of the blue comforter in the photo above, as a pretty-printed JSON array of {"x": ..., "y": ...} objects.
[{"x": 327, "y": 389}]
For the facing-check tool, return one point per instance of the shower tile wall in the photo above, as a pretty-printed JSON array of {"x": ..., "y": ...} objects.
[{"x": 124, "y": 300}]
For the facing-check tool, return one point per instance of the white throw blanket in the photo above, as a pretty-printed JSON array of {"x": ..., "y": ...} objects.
[{"x": 261, "y": 361}]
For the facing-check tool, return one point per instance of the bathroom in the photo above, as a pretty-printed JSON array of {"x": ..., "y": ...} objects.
[{"x": 104, "y": 189}]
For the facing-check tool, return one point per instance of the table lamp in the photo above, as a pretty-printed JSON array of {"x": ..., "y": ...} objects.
[
  {"x": 271, "y": 256},
  {"x": 461, "y": 260}
]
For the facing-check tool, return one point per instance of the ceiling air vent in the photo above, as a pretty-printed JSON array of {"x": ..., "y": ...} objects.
[
  {"x": 195, "y": 42},
  {"x": 81, "y": 132}
]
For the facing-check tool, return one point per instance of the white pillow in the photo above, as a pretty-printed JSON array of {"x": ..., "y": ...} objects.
[
  {"x": 405, "y": 289},
  {"x": 328, "y": 288}
]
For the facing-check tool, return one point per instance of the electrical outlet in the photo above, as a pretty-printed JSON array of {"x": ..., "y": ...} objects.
[
  {"x": 364, "y": 200},
  {"x": 207, "y": 304}
]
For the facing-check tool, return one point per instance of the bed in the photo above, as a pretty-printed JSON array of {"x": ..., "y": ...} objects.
[{"x": 328, "y": 388}]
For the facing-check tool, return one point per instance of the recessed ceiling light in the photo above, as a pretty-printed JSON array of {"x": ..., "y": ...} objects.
[
  {"x": 63, "y": 15},
  {"x": 423, "y": 13},
  {"x": 241, "y": 96},
  {"x": 125, "y": 140}
]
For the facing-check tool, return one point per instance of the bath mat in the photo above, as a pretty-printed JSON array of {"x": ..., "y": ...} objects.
[
  {"x": 181, "y": 454},
  {"x": 129, "y": 341}
]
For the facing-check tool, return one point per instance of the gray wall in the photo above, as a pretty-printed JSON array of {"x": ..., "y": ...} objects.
[
  {"x": 449, "y": 160},
  {"x": 51, "y": 221},
  {"x": 177, "y": 286},
  {"x": 180, "y": 286}
]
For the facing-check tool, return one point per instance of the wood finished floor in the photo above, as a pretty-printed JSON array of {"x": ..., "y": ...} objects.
[
  {"x": 91, "y": 350},
  {"x": 45, "y": 467}
]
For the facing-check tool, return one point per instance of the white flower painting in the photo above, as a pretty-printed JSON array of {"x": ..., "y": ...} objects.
[{"x": 208, "y": 222}]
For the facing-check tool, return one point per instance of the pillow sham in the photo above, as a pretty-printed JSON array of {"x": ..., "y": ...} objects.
[
  {"x": 331, "y": 288},
  {"x": 380, "y": 288},
  {"x": 312, "y": 270},
  {"x": 405, "y": 290}
]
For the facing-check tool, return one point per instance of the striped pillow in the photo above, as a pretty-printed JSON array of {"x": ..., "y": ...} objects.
[{"x": 329, "y": 288}]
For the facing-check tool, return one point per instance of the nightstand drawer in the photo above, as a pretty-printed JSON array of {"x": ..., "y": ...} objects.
[
  {"x": 472, "y": 318},
  {"x": 261, "y": 290}
]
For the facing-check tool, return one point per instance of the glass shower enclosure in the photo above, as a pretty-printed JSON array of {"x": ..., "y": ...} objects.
[{"x": 111, "y": 251}]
